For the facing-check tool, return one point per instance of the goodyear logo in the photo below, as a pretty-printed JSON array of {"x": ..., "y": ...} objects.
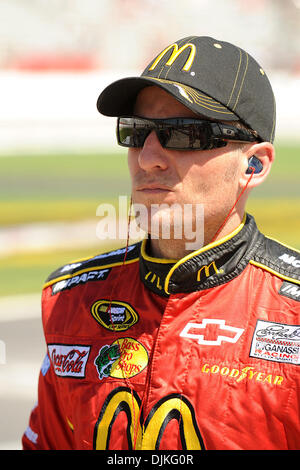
[
  {"x": 244, "y": 374},
  {"x": 175, "y": 54},
  {"x": 124, "y": 358},
  {"x": 114, "y": 315}
]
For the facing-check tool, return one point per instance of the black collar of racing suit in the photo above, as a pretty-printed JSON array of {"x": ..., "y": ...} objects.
[{"x": 212, "y": 265}]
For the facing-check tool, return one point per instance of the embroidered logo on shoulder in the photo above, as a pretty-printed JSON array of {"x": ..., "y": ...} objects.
[
  {"x": 98, "y": 275},
  {"x": 114, "y": 315},
  {"x": 115, "y": 253},
  {"x": 69, "y": 360},
  {"x": 276, "y": 342},
  {"x": 69, "y": 267},
  {"x": 291, "y": 260},
  {"x": 290, "y": 290}
]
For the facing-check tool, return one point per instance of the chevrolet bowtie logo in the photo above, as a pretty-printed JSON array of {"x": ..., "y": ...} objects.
[{"x": 211, "y": 328}]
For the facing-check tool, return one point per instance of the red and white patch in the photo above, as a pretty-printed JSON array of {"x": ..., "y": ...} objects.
[{"x": 276, "y": 342}]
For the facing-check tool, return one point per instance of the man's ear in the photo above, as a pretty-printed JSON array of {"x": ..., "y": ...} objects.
[{"x": 265, "y": 153}]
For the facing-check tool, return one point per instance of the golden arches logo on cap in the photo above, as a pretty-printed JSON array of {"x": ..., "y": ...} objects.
[{"x": 176, "y": 53}]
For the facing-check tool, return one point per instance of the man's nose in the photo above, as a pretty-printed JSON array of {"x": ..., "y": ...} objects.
[{"x": 152, "y": 155}]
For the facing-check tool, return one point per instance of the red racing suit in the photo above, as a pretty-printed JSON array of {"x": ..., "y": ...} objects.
[{"x": 146, "y": 353}]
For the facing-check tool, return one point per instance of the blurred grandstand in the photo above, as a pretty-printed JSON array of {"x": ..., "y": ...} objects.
[{"x": 56, "y": 56}]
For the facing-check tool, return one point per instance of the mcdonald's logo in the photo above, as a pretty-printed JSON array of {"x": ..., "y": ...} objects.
[
  {"x": 177, "y": 407},
  {"x": 176, "y": 53},
  {"x": 120, "y": 399},
  {"x": 147, "y": 436},
  {"x": 153, "y": 278},
  {"x": 208, "y": 270}
]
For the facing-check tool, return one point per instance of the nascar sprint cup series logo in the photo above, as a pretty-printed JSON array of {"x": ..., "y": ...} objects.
[
  {"x": 114, "y": 315},
  {"x": 276, "y": 342}
]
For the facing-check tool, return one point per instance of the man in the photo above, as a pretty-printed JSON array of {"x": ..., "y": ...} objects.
[{"x": 155, "y": 346}]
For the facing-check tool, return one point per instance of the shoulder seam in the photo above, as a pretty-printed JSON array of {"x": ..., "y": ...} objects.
[
  {"x": 276, "y": 273},
  {"x": 277, "y": 258},
  {"x": 102, "y": 261},
  {"x": 291, "y": 248}
]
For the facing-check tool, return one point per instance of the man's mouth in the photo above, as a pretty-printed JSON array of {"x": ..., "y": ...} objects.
[{"x": 153, "y": 188}]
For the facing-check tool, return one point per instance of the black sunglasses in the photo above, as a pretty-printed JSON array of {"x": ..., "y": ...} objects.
[{"x": 179, "y": 133}]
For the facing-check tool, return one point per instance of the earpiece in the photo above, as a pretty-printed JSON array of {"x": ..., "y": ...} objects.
[{"x": 254, "y": 163}]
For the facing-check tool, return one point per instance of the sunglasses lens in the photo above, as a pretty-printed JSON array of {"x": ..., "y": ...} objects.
[
  {"x": 178, "y": 133},
  {"x": 185, "y": 137},
  {"x": 133, "y": 132},
  {"x": 172, "y": 138}
]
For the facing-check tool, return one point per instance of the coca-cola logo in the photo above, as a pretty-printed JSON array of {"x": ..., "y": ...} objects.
[{"x": 69, "y": 360}]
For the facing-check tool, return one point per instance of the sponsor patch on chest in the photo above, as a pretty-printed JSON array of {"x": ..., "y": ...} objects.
[
  {"x": 276, "y": 342},
  {"x": 69, "y": 360},
  {"x": 123, "y": 359},
  {"x": 114, "y": 315}
]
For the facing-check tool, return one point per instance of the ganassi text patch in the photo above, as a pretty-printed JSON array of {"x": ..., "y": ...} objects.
[{"x": 276, "y": 342}]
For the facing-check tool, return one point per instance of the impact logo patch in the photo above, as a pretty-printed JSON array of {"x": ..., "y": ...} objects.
[
  {"x": 124, "y": 358},
  {"x": 114, "y": 315},
  {"x": 99, "y": 275},
  {"x": 276, "y": 342}
]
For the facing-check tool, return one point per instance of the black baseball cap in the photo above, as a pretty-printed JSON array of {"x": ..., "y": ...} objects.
[{"x": 213, "y": 78}]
